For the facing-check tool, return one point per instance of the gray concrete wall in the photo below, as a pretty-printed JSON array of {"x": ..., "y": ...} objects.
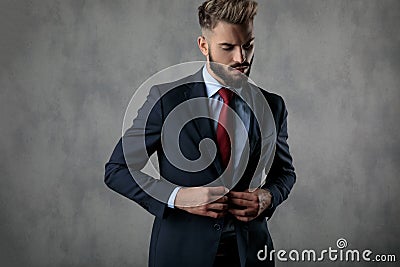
[{"x": 69, "y": 68}]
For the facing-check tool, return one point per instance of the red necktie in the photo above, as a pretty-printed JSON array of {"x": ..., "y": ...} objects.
[{"x": 224, "y": 143}]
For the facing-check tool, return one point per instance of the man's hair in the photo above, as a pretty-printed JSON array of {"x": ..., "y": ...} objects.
[{"x": 231, "y": 11}]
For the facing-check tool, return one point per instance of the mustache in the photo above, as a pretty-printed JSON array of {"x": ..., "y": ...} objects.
[{"x": 239, "y": 65}]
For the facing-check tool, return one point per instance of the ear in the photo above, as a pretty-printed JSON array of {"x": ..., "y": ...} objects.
[{"x": 203, "y": 45}]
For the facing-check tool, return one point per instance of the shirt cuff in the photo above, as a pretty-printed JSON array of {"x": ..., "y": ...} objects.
[{"x": 171, "y": 199}]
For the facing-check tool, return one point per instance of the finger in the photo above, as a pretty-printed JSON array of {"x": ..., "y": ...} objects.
[
  {"x": 217, "y": 206},
  {"x": 242, "y": 202},
  {"x": 218, "y": 199},
  {"x": 214, "y": 214},
  {"x": 202, "y": 211},
  {"x": 244, "y": 219},
  {"x": 244, "y": 212},
  {"x": 243, "y": 195},
  {"x": 218, "y": 190},
  {"x": 223, "y": 199}
]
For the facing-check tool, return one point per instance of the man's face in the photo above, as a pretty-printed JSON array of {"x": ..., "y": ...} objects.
[{"x": 229, "y": 51}]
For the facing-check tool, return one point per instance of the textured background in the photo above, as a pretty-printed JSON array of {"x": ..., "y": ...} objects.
[{"x": 69, "y": 68}]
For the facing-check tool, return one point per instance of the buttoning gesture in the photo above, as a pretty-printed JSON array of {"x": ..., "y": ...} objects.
[
  {"x": 247, "y": 206},
  {"x": 204, "y": 201}
]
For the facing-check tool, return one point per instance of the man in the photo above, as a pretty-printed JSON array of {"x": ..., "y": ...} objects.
[{"x": 199, "y": 222}]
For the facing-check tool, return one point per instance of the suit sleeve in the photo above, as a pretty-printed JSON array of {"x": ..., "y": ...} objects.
[
  {"x": 281, "y": 176},
  {"x": 123, "y": 171}
]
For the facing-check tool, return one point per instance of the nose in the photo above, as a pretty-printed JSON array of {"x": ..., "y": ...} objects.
[{"x": 240, "y": 55}]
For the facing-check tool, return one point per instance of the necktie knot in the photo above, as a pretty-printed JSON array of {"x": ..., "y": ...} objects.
[{"x": 226, "y": 95}]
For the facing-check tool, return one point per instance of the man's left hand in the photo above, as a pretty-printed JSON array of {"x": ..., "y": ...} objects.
[{"x": 247, "y": 206}]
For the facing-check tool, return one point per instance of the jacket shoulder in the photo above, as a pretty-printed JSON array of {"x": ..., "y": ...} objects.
[{"x": 275, "y": 102}]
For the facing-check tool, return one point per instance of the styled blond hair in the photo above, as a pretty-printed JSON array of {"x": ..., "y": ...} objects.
[{"x": 231, "y": 11}]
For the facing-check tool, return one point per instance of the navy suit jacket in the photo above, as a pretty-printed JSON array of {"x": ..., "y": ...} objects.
[{"x": 179, "y": 238}]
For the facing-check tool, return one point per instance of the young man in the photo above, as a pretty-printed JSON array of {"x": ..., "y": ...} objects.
[{"x": 220, "y": 224}]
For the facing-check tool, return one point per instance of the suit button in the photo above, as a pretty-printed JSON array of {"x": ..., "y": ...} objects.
[{"x": 217, "y": 227}]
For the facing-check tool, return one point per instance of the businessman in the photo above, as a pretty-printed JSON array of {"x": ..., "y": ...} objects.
[{"x": 213, "y": 199}]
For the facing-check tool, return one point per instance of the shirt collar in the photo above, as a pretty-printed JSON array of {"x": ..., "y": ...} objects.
[{"x": 212, "y": 85}]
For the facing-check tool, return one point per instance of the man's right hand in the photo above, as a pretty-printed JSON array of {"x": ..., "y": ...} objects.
[{"x": 204, "y": 201}]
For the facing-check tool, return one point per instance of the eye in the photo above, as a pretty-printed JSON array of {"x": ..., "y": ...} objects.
[
  {"x": 227, "y": 47},
  {"x": 248, "y": 46}
]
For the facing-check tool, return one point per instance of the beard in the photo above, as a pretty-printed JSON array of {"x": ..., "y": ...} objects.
[{"x": 224, "y": 72}]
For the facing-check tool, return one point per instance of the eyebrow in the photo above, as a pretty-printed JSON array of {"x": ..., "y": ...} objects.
[{"x": 229, "y": 44}]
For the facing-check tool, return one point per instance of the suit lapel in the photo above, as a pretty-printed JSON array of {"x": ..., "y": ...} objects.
[
  {"x": 253, "y": 130},
  {"x": 204, "y": 127}
]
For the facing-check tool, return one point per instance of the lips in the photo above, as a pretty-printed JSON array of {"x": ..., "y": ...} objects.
[{"x": 241, "y": 69}]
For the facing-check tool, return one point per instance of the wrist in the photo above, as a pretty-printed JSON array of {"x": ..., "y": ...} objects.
[{"x": 265, "y": 199}]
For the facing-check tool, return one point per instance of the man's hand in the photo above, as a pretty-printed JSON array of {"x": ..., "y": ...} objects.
[
  {"x": 204, "y": 201},
  {"x": 246, "y": 206}
]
